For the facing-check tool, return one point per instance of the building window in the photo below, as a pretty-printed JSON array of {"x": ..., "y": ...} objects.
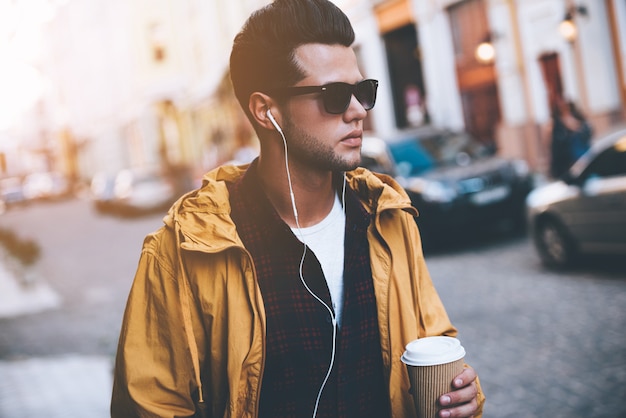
[{"x": 405, "y": 73}]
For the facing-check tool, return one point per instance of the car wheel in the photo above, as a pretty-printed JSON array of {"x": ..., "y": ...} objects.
[{"x": 553, "y": 244}]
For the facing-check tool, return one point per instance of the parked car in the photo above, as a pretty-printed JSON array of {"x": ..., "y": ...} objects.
[
  {"x": 456, "y": 183},
  {"x": 46, "y": 185},
  {"x": 103, "y": 192},
  {"x": 140, "y": 191},
  {"x": 585, "y": 211},
  {"x": 11, "y": 192}
]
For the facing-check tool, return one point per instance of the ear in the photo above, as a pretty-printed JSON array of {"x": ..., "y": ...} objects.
[{"x": 258, "y": 105}]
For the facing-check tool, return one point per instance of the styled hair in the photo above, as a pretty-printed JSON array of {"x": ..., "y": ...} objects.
[{"x": 263, "y": 54}]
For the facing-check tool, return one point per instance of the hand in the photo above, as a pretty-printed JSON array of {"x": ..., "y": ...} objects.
[{"x": 462, "y": 401}]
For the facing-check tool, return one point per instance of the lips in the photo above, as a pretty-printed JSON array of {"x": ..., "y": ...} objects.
[{"x": 353, "y": 139}]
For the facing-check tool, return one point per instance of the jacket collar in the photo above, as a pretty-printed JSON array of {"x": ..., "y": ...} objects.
[{"x": 203, "y": 215}]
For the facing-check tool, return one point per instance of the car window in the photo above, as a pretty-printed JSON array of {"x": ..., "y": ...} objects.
[
  {"x": 611, "y": 162},
  {"x": 411, "y": 158},
  {"x": 417, "y": 155},
  {"x": 446, "y": 148}
]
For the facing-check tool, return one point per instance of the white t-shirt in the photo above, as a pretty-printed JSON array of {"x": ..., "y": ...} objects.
[{"x": 326, "y": 240}]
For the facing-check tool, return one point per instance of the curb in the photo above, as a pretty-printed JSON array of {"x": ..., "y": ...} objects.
[{"x": 20, "y": 297}]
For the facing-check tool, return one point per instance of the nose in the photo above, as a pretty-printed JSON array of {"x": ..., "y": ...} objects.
[{"x": 355, "y": 110}]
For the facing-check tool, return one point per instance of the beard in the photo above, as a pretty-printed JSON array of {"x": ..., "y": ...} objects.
[{"x": 315, "y": 153}]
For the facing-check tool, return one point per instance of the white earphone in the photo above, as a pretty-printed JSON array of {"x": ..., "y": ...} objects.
[
  {"x": 295, "y": 214},
  {"x": 271, "y": 118}
]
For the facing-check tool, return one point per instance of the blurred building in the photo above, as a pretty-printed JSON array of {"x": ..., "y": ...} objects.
[
  {"x": 142, "y": 83},
  {"x": 145, "y": 82},
  {"x": 493, "y": 67}
]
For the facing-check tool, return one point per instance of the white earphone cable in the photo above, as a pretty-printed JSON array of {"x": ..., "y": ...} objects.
[{"x": 300, "y": 271}]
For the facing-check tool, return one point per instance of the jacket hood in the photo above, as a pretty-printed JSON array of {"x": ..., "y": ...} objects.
[{"x": 203, "y": 215}]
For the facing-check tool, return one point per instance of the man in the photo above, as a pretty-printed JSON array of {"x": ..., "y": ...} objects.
[{"x": 289, "y": 287}]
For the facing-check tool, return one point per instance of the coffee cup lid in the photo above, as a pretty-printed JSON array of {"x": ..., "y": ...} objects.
[{"x": 431, "y": 351}]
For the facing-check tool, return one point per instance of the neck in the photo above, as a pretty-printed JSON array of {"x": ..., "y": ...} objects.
[{"x": 313, "y": 192}]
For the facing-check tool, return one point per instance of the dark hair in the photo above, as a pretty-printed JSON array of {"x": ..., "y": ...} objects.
[
  {"x": 262, "y": 57},
  {"x": 575, "y": 111},
  {"x": 571, "y": 106}
]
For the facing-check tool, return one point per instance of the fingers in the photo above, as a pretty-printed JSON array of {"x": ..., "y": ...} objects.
[
  {"x": 462, "y": 401},
  {"x": 460, "y": 396},
  {"x": 465, "y": 410},
  {"x": 467, "y": 376}
]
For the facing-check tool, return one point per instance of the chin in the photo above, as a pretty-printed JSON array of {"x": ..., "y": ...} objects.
[{"x": 351, "y": 165}]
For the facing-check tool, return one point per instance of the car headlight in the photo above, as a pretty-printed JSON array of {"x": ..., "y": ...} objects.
[
  {"x": 432, "y": 191},
  {"x": 521, "y": 168}
]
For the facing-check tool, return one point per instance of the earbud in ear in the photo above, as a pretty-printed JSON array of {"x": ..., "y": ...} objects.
[{"x": 271, "y": 118}]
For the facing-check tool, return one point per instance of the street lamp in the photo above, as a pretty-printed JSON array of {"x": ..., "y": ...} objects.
[
  {"x": 569, "y": 31},
  {"x": 567, "y": 27},
  {"x": 485, "y": 52}
]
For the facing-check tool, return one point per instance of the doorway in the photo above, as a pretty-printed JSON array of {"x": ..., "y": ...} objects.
[
  {"x": 551, "y": 71},
  {"x": 405, "y": 73},
  {"x": 477, "y": 80}
]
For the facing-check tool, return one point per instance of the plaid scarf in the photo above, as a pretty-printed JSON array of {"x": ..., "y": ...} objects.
[{"x": 299, "y": 328}]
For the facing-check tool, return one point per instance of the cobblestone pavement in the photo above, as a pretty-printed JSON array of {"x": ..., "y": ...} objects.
[
  {"x": 544, "y": 343},
  {"x": 68, "y": 386},
  {"x": 60, "y": 387}
]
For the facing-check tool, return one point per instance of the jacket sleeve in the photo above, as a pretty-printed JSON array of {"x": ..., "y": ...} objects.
[
  {"x": 153, "y": 372},
  {"x": 427, "y": 315},
  {"x": 434, "y": 318}
]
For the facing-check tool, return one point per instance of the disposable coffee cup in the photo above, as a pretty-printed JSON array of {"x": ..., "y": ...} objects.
[{"x": 432, "y": 364}]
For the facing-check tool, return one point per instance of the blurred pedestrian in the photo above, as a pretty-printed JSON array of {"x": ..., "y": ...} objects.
[
  {"x": 571, "y": 136},
  {"x": 288, "y": 287}
]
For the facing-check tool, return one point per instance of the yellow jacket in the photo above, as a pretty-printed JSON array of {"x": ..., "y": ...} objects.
[{"x": 195, "y": 308}]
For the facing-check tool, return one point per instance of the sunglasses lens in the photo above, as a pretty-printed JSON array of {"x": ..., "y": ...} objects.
[
  {"x": 365, "y": 93},
  {"x": 337, "y": 96}
]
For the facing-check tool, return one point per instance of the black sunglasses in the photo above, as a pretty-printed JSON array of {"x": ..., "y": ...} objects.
[{"x": 336, "y": 96}]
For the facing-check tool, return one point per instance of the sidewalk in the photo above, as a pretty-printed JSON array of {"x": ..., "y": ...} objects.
[
  {"x": 54, "y": 387},
  {"x": 58, "y": 387}
]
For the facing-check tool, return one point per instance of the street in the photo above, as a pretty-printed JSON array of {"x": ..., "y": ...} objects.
[{"x": 544, "y": 343}]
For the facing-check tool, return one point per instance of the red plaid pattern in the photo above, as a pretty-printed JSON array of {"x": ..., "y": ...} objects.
[{"x": 299, "y": 328}]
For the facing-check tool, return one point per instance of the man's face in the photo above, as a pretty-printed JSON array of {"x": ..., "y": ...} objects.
[{"x": 317, "y": 139}]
